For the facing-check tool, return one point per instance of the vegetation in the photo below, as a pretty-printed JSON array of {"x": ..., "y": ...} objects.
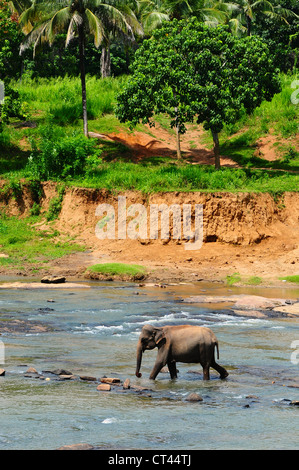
[
  {"x": 51, "y": 145},
  {"x": 294, "y": 278},
  {"x": 192, "y": 71},
  {"x": 134, "y": 271},
  {"x": 23, "y": 243}
]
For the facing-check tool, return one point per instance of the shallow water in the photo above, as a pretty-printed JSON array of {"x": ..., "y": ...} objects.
[{"x": 94, "y": 332}]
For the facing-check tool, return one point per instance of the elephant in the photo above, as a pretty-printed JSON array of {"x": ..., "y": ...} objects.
[{"x": 182, "y": 343}]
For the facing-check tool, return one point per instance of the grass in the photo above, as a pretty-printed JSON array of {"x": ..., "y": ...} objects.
[
  {"x": 133, "y": 271},
  {"x": 24, "y": 244},
  {"x": 294, "y": 278},
  {"x": 280, "y": 117},
  {"x": 233, "y": 279},
  {"x": 61, "y": 97},
  {"x": 152, "y": 177}
]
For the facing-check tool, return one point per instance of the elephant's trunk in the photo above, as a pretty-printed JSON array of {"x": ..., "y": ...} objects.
[{"x": 139, "y": 358}]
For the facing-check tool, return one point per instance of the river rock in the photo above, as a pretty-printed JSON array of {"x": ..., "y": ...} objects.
[
  {"x": 31, "y": 370},
  {"x": 53, "y": 280},
  {"x": 88, "y": 377},
  {"x": 109, "y": 380},
  {"x": 2, "y": 372},
  {"x": 194, "y": 397},
  {"x": 59, "y": 372},
  {"x": 104, "y": 387},
  {"x": 126, "y": 384},
  {"x": 81, "y": 446}
]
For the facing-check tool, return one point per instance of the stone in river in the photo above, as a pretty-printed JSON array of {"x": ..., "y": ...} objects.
[
  {"x": 104, "y": 387},
  {"x": 53, "y": 280},
  {"x": 110, "y": 380}
]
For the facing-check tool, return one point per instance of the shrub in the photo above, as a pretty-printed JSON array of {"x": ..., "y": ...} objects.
[{"x": 58, "y": 155}]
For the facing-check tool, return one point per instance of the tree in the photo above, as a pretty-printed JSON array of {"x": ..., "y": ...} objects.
[
  {"x": 191, "y": 71},
  {"x": 42, "y": 21},
  {"x": 248, "y": 10},
  {"x": 10, "y": 38}
]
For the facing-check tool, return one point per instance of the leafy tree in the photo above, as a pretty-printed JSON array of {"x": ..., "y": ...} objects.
[
  {"x": 191, "y": 71},
  {"x": 10, "y": 38}
]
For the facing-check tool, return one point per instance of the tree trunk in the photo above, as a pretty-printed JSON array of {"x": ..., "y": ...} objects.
[
  {"x": 178, "y": 140},
  {"x": 216, "y": 150},
  {"x": 105, "y": 61},
  {"x": 82, "y": 74},
  {"x": 249, "y": 21}
]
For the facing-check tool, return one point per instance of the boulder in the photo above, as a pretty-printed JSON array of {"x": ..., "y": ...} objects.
[
  {"x": 31, "y": 370},
  {"x": 194, "y": 397},
  {"x": 104, "y": 387},
  {"x": 126, "y": 384},
  {"x": 80, "y": 446},
  {"x": 109, "y": 380},
  {"x": 88, "y": 378},
  {"x": 53, "y": 279}
]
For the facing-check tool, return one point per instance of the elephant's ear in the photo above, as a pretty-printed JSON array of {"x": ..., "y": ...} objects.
[{"x": 159, "y": 335}]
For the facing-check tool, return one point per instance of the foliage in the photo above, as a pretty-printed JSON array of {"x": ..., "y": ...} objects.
[
  {"x": 13, "y": 106},
  {"x": 119, "y": 269},
  {"x": 294, "y": 278},
  {"x": 189, "y": 70},
  {"x": 58, "y": 155},
  {"x": 24, "y": 244},
  {"x": 155, "y": 176},
  {"x": 10, "y": 39}
]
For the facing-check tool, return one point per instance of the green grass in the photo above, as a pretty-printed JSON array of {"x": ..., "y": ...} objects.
[
  {"x": 24, "y": 244},
  {"x": 294, "y": 278},
  {"x": 119, "y": 269},
  {"x": 155, "y": 176},
  {"x": 61, "y": 97},
  {"x": 278, "y": 116},
  {"x": 233, "y": 279},
  {"x": 254, "y": 280}
]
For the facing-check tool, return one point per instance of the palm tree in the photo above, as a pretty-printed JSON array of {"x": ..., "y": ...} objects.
[
  {"x": 151, "y": 14},
  {"x": 43, "y": 20},
  {"x": 248, "y": 9},
  {"x": 210, "y": 12}
]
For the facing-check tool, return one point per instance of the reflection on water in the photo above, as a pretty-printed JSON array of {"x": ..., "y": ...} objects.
[{"x": 95, "y": 331}]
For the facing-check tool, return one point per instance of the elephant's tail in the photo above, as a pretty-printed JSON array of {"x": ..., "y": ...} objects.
[{"x": 217, "y": 347}]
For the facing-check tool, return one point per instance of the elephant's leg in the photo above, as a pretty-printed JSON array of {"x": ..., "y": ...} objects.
[
  {"x": 159, "y": 364},
  {"x": 172, "y": 369},
  {"x": 223, "y": 372},
  {"x": 206, "y": 372}
]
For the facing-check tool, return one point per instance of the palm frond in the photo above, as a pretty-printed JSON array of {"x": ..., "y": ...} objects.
[
  {"x": 95, "y": 27},
  {"x": 58, "y": 23}
]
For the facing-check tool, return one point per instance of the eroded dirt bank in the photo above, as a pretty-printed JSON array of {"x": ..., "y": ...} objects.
[{"x": 252, "y": 234}]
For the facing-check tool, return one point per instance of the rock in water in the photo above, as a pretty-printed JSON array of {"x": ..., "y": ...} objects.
[
  {"x": 53, "y": 280},
  {"x": 104, "y": 387},
  {"x": 126, "y": 384},
  {"x": 194, "y": 397},
  {"x": 109, "y": 380},
  {"x": 80, "y": 446}
]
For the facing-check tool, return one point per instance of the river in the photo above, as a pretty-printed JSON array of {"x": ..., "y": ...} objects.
[{"x": 95, "y": 331}]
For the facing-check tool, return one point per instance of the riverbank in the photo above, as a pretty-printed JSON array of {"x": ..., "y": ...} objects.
[{"x": 248, "y": 238}]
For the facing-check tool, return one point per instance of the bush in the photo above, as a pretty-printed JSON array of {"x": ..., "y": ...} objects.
[{"x": 59, "y": 155}]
